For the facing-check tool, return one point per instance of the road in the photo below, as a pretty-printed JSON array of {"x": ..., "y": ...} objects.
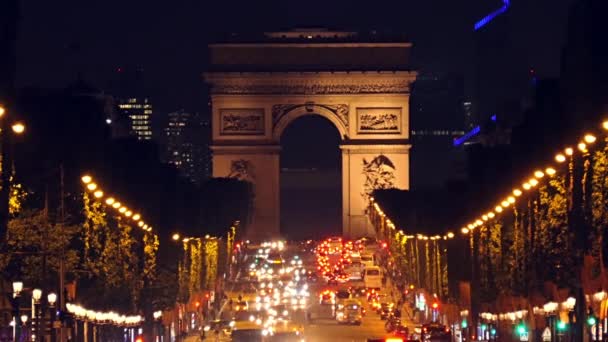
[{"x": 322, "y": 326}]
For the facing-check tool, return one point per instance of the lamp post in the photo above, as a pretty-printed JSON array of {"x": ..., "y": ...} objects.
[
  {"x": 17, "y": 288},
  {"x": 37, "y": 316},
  {"x": 52, "y": 299},
  {"x": 598, "y": 298},
  {"x": 569, "y": 305},
  {"x": 550, "y": 310},
  {"x": 24, "y": 325}
]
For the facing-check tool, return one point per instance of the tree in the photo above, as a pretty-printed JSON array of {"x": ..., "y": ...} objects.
[{"x": 34, "y": 247}]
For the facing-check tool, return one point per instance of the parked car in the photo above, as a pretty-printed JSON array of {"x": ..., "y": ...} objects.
[{"x": 435, "y": 332}]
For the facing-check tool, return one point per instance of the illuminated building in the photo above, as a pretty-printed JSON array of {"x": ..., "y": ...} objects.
[
  {"x": 187, "y": 137},
  {"x": 139, "y": 112}
]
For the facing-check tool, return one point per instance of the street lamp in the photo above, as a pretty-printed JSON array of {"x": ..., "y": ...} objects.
[
  {"x": 175, "y": 237},
  {"x": 37, "y": 315},
  {"x": 37, "y": 294},
  {"x": 23, "y": 326},
  {"x": 52, "y": 299},
  {"x": 17, "y": 288},
  {"x": 18, "y": 127}
]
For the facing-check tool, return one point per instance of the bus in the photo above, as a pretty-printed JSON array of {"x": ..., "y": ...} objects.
[{"x": 372, "y": 277}]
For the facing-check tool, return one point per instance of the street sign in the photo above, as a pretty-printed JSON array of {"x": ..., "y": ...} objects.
[
  {"x": 524, "y": 337},
  {"x": 546, "y": 335}
]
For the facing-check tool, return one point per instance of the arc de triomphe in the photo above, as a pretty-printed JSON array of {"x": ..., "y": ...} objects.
[{"x": 360, "y": 84}]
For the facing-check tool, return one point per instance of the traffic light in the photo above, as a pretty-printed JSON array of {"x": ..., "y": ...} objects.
[
  {"x": 591, "y": 320},
  {"x": 435, "y": 305},
  {"x": 493, "y": 332},
  {"x": 561, "y": 326},
  {"x": 521, "y": 329},
  {"x": 464, "y": 324},
  {"x": 484, "y": 327}
]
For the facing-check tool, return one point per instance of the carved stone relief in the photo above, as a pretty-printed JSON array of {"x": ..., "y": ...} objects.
[
  {"x": 378, "y": 120},
  {"x": 379, "y": 174},
  {"x": 241, "y": 121},
  {"x": 311, "y": 89}
]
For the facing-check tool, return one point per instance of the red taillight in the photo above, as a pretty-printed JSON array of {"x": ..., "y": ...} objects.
[{"x": 139, "y": 339}]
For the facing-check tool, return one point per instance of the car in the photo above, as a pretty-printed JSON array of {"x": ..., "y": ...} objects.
[
  {"x": 246, "y": 332},
  {"x": 351, "y": 312},
  {"x": 435, "y": 332},
  {"x": 385, "y": 310},
  {"x": 333, "y": 280},
  {"x": 218, "y": 326},
  {"x": 327, "y": 297},
  {"x": 359, "y": 291},
  {"x": 241, "y": 306}
]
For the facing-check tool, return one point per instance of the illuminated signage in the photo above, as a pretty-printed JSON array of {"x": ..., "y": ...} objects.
[
  {"x": 469, "y": 135},
  {"x": 487, "y": 19}
]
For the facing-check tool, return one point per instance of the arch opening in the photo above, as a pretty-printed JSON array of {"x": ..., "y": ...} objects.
[{"x": 310, "y": 178}]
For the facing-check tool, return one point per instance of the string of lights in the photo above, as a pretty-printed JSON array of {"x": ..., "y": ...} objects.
[
  {"x": 534, "y": 180},
  {"x": 511, "y": 198},
  {"x": 108, "y": 317},
  {"x": 114, "y": 203},
  {"x": 419, "y": 236}
]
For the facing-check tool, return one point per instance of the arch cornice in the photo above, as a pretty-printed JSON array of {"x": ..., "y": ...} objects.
[{"x": 284, "y": 114}]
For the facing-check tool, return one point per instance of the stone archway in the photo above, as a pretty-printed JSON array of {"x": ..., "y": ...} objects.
[
  {"x": 283, "y": 115},
  {"x": 252, "y": 109}
]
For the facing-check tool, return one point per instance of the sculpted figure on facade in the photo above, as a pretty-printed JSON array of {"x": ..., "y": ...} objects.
[
  {"x": 241, "y": 169},
  {"x": 379, "y": 174}
]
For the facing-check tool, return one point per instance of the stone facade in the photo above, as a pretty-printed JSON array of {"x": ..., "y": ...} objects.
[{"x": 370, "y": 110}]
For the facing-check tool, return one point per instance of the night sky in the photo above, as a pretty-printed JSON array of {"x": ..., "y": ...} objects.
[
  {"x": 167, "y": 39},
  {"x": 60, "y": 39}
]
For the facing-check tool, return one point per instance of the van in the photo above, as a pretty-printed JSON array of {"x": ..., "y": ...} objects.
[
  {"x": 367, "y": 259},
  {"x": 372, "y": 277}
]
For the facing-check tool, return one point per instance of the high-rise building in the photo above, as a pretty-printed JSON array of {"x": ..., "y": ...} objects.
[
  {"x": 188, "y": 144},
  {"x": 138, "y": 111},
  {"x": 437, "y": 119}
]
